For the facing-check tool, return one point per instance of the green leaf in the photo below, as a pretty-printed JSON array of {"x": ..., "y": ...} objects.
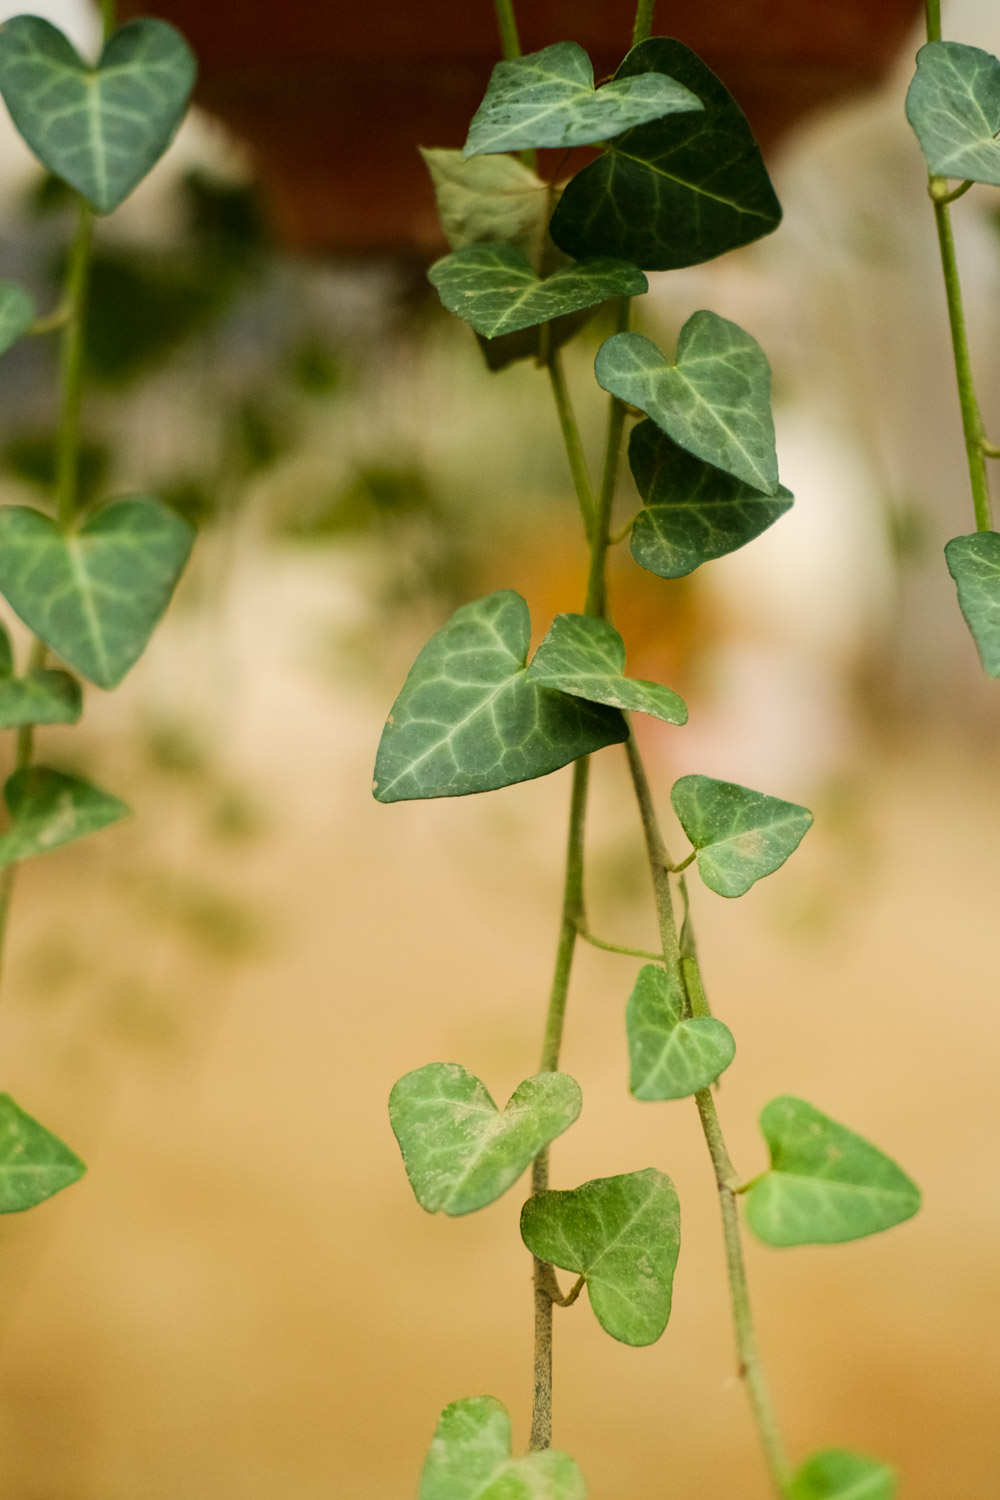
[
  {"x": 48, "y": 808},
  {"x": 672, "y": 1055},
  {"x": 94, "y": 594},
  {"x": 714, "y": 401},
  {"x": 494, "y": 288},
  {"x": 826, "y": 1184},
  {"x": 548, "y": 98},
  {"x": 40, "y": 697},
  {"x": 974, "y": 563},
  {"x": 693, "y": 512},
  {"x": 17, "y": 309},
  {"x": 460, "y": 1152},
  {"x": 99, "y": 128},
  {"x": 836, "y": 1474},
  {"x": 585, "y": 657},
  {"x": 676, "y": 192},
  {"x": 469, "y": 719},
  {"x": 739, "y": 835},
  {"x": 953, "y": 105},
  {"x": 470, "y": 1459},
  {"x": 622, "y": 1235},
  {"x": 34, "y": 1164},
  {"x": 486, "y": 199}
]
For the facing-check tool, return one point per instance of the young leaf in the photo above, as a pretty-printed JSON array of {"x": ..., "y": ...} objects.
[
  {"x": 826, "y": 1184},
  {"x": 836, "y": 1474},
  {"x": 585, "y": 657},
  {"x": 34, "y": 1164},
  {"x": 739, "y": 835},
  {"x": 974, "y": 563},
  {"x": 41, "y": 697},
  {"x": 693, "y": 512},
  {"x": 622, "y": 1235},
  {"x": 487, "y": 199},
  {"x": 48, "y": 808},
  {"x": 671, "y": 1055},
  {"x": 93, "y": 595},
  {"x": 953, "y": 105},
  {"x": 460, "y": 1152},
  {"x": 17, "y": 309},
  {"x": 676, "y": 192},
  {"x": 714, "y": 401},
  {"x": 470, "y": 1459},
  {"x": 469, "y": 719},
  {"x": 99, "y": 128},
  {"x": 548, "y": 98},
  {"x": 494, "y": 288}
]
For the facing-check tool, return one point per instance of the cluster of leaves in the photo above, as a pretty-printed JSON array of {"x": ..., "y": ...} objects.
[{"x": 679, "y": 180}]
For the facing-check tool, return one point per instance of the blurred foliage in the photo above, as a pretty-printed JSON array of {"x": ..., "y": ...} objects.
[{"x": 31, "y": 457}]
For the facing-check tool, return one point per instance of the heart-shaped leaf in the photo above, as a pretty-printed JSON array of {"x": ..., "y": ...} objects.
[
  {"x": 494, "y": 288},
  {"x": 459, "y": 1150},
  {"x": 93, "y": 595},
  {"x": 953, "y": 105},
  {"x": 693, "y": 512},
  {"x": 974, "y": 563},
  {"x": 17, "y": 310},
  {"x": 470, "y": 1459},
  {"x": 585, "y": 657},
  {"x": 672, "y": 1055},
  {"x": 489, "y": 199},
  {"x": 548, "y": 98},
  {"x": 739, "y": 835},
  {"x": 622, "y": 1235},
  {"x": 837, "y": 1474},
  {"x": 469, "y": 719},
  {"x": 34, "y": 1164},
  {"x": 715, "y": 401},
  {"x": 826, "y": 1184},
  {"x": 40, "y": 697},
  {"x": 99, "y": 128},
  {"x": 48, "y": 808},
  {"x": 676, "y": 192}
]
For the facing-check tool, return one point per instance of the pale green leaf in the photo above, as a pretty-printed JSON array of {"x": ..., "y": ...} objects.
[
  {"x": 94, "y": 594},
  {"x": 470, "y": 1459},
  {"x": 693, "y": 512},
  {"x": 48, "y": 808},
  {"x": 837, "y": 1474},
  {"x": 44, "y": 696},
  {"x": 671, "y": 1055},
  {"x": 99, "y": 128},
  {"x": 740, "y": 835},
  {"x": 459, "y": 1150},
  {"x": 622, "y": 1235},
  {"x": 675, "y": 192},
  {"x": 714, "y": 401},
  {"x": 489, "y": 199},
  {"x": 585, "y": 657},
  {"x": 469, "y": 719},
  {"x": 17, "y": 309},
  {"x": 974, "y": 563},
  {"x": 548, "y": 98},
  {"x": 826, "y": 1184},
  {"x": 953, "y": 105},
  {"x": 34, "y": 1164}
]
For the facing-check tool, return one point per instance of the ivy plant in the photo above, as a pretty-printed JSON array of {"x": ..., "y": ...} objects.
[
  {"x": 678, "y": 179},
  {"x": 89, "y": 581}
]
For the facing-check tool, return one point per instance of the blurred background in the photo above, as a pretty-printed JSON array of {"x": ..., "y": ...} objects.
[{"x": 242, "y": 1299}]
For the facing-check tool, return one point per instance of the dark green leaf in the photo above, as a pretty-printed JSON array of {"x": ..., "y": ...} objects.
[
  {"x": 40, "y": 697},
  {"x": 100, "y": 129},
  {"x": 740, "y": 835},
  {"x": 693, "y": 512},
  {"x": 470, "y": 1459},
  {"x": 622, "y": 1235},
  {"x": 6, "y": 653},
  {"x": 548, "y": 98},
  {"x": 469, "y": 719},
  {"x": 974, "y": 563},
  {"x": 836, "y": 1474},
  {"x": 676, "y": 192},
  {"x": 714, "y": 401},
  {"x": 953, "y": 105},
  {"x": 459, "y": 1150},
  {"x": 17, "y": 311},
  {"x": 48, "y": 809},
  {"x": 33, "y": 1163},
  {"x": 489, "y": 199},
  {"x": 671, "y": 1054},
  {"x": 94, "y": 594},
  {"x": 826, "y": 1184},
  {"x": 585, "y": 657}
]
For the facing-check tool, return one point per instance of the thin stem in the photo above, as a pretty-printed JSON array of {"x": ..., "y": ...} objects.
[
  {"x": 71, "y": 369},
  {"x": 571, "y": 438},
  {"x": 933, "y": 20},
  {"x": 50, "y": 322},
  {"x": 643, "y": 21},
  {"x": 109, "y": 17},
  {"x": 942, "y": 193},
  {"x": 22, "y": 759},
  {"x": 597, "y": 593},
  {"x": 510, "y": 42},
  {"x": 606, "y": 947}
]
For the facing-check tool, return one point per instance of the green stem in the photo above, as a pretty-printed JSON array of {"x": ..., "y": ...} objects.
[
  {"x": 643, "y": 21},
  {"x": 606, "y": 947},
  {"x": 597, "y": 590},
  {"x": 22, "y": 759},
  {"x": 71, "y": 369},
  {"x": 933, "y": 20},
  {"x": 510, "y": 42},
  {"x": 109, "y": 17},
  {"x": 571, "y": 438}
]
